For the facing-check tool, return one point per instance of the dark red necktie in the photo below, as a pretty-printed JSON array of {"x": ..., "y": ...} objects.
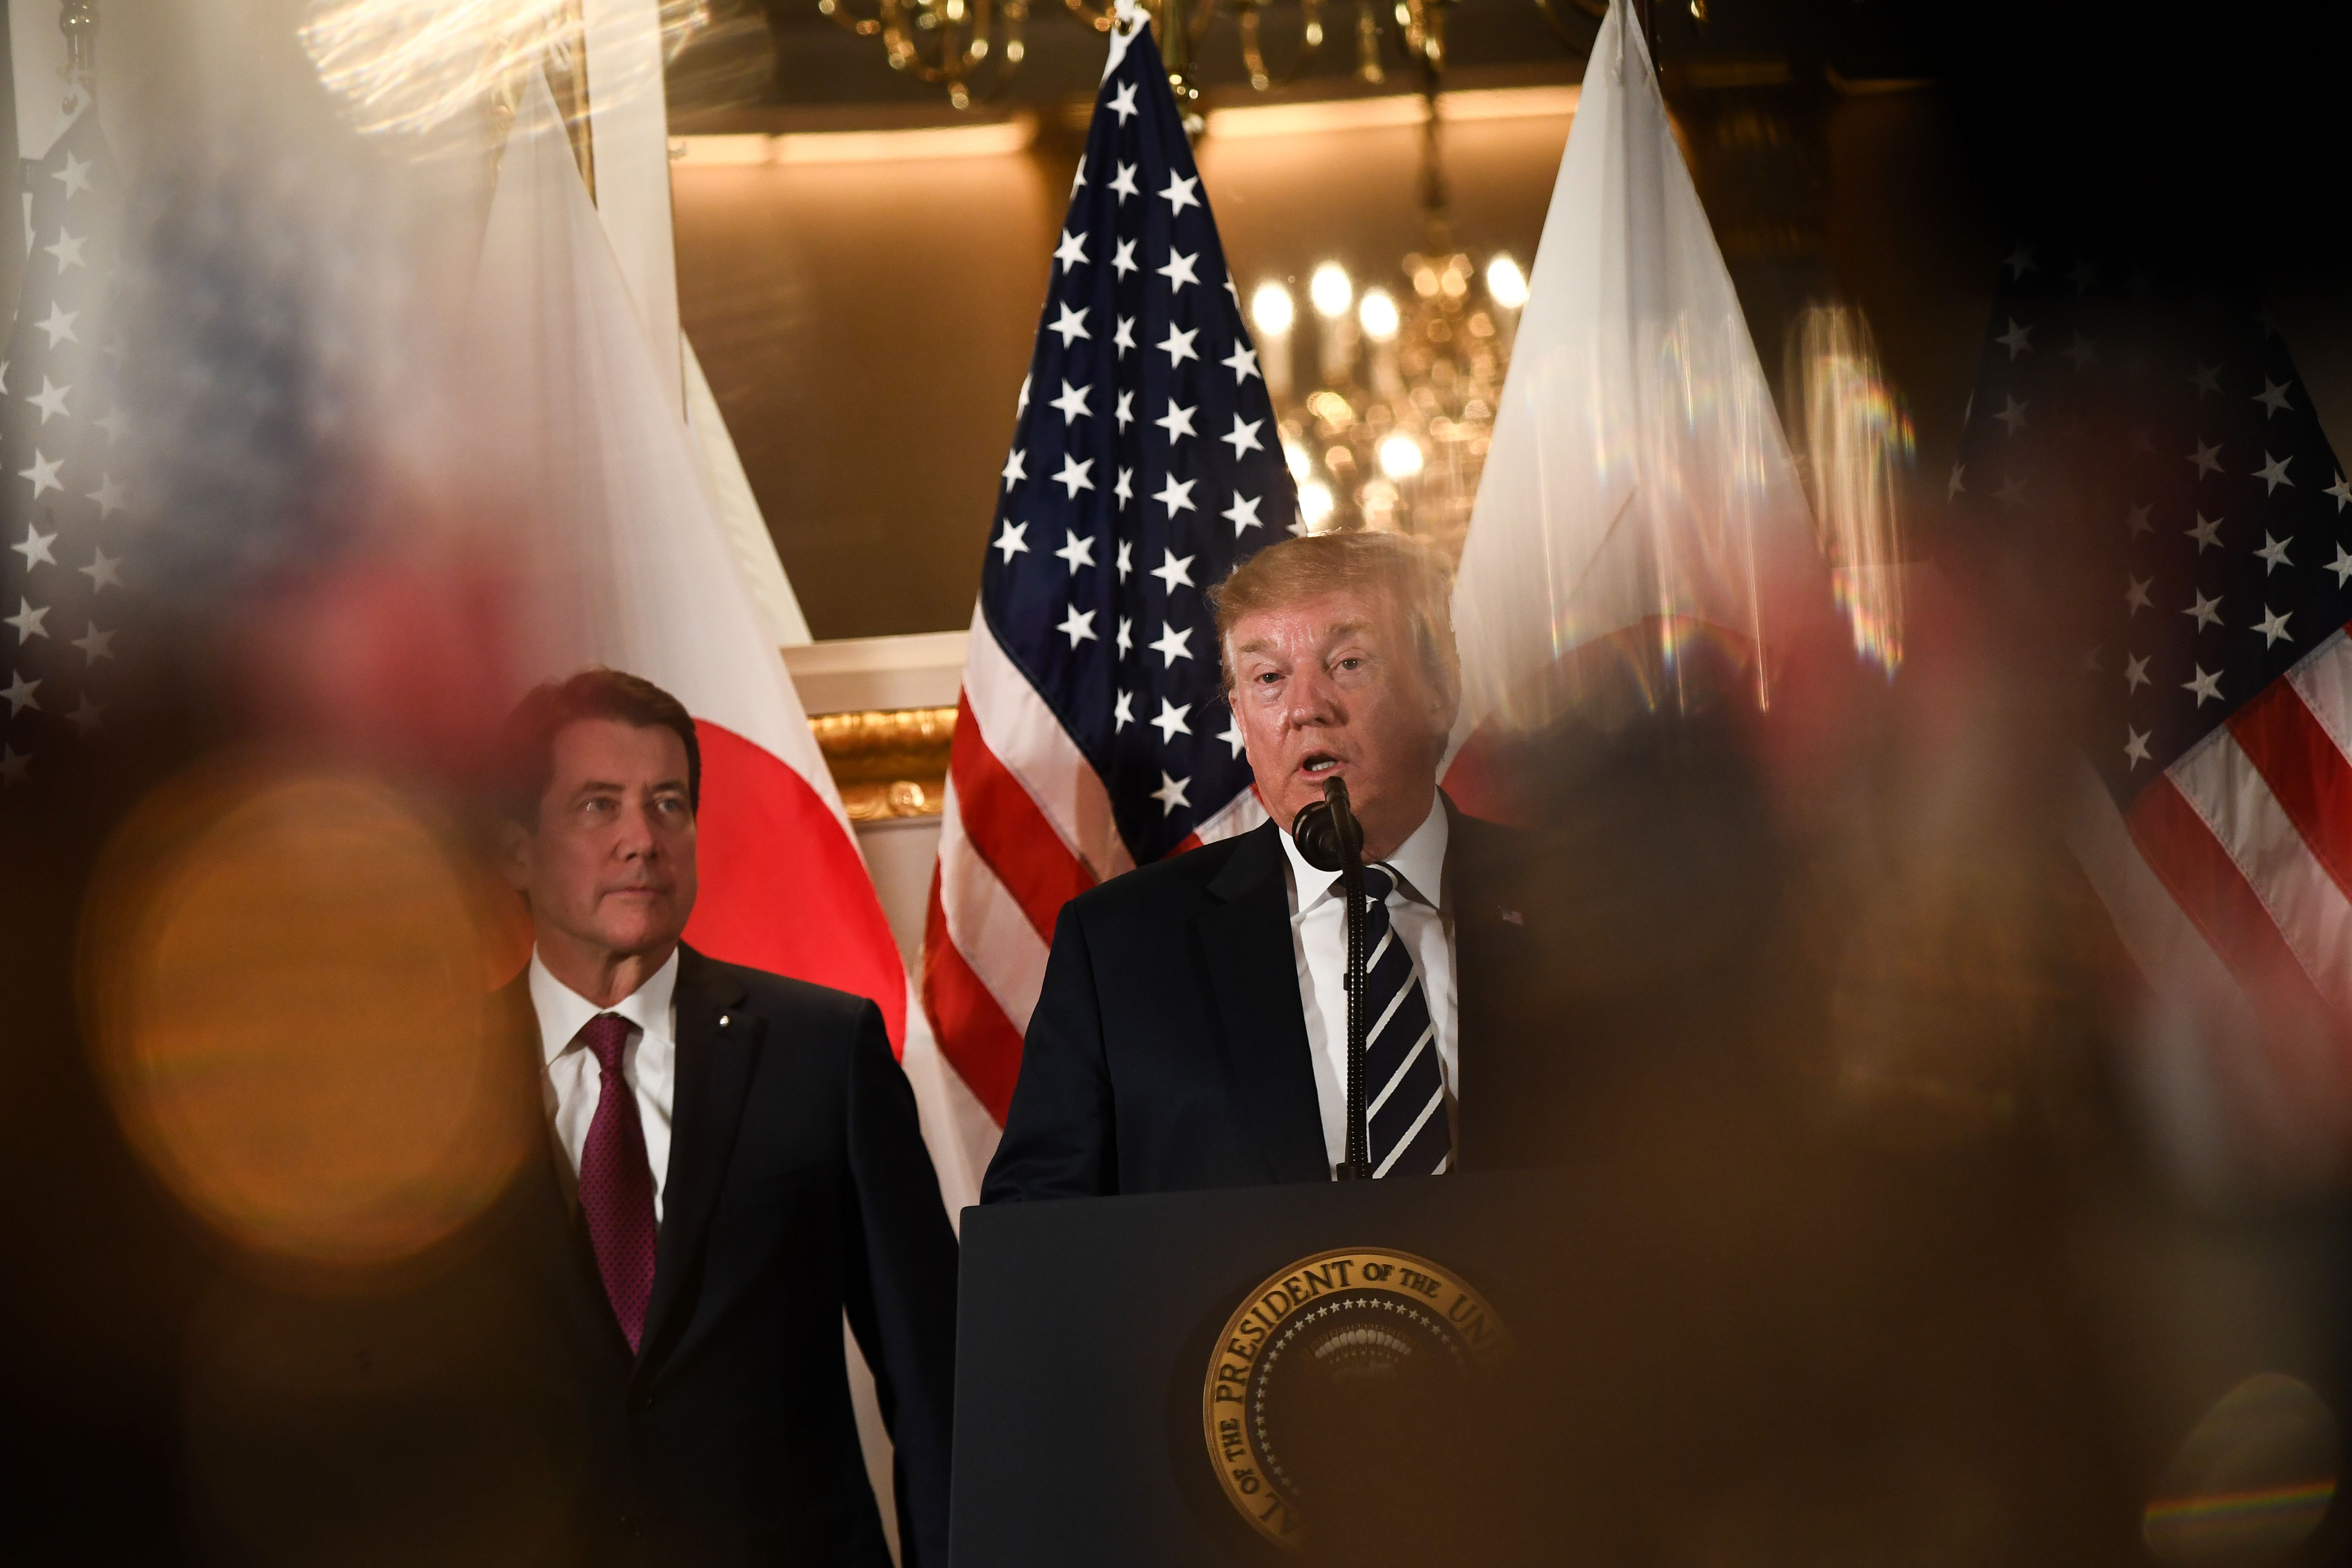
[{"x": 616, "y": 1182}]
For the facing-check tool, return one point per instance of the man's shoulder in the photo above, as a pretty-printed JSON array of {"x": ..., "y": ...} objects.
[
  {"x": 767, "y": 994},
  {"x": 1170, "y": 886},
  {"x": 1481, "y": 840},
  {"x": 1488, "y": 856}
]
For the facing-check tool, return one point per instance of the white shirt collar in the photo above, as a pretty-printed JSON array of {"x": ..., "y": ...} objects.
[
  {"x": 1420, "y": 861},
  {"x": 563, "y": 1012}
]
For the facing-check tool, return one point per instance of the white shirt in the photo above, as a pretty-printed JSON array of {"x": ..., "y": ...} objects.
[
  {"x": 1318, "y": 941},
  {"x": 574, "y": 1082}
]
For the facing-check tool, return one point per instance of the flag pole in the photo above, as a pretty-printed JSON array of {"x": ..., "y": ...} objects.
[
  {"x": 78, "y": 20},
  {"x": 1176, "y": 54}
]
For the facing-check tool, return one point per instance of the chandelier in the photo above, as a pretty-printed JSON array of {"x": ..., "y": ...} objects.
[
  {"x": 972, "y": 48},
  {"x": 1386, "y": 395}
]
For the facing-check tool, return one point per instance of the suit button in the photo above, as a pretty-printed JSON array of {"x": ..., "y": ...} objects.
[{"x": 645, "y": 1402}]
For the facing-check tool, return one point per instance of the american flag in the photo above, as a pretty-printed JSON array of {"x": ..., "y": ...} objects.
[
  {"x": 2171, "y": 425},
  {"x": 63, "y": 520},
  {"x": 1093, "y": 735}
]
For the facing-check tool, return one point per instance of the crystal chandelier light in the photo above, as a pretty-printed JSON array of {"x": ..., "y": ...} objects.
[
  {"x": 972, "y": 48},
  {"x": 1388, "y": 411}
]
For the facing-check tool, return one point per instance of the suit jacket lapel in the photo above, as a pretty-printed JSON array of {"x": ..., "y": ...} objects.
[
  {"x": 1497, "y": 958},
  {"x": 1255, "y": 976},
  {"x": 717, "y": 1045},
  {"x": 545, "y": 1213}
]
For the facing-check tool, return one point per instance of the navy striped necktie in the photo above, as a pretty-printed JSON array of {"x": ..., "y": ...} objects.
[{"x": 1407, "y": 1131}]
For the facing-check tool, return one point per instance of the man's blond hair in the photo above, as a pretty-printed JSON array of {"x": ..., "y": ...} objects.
[{"x": 1406, "y": 573}]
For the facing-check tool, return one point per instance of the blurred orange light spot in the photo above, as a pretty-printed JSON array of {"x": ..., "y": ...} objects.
[{"x": 283, "y": 976}]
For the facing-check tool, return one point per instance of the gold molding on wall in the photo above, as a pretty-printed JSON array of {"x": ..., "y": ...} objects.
[{"x": 887, "y": 761}]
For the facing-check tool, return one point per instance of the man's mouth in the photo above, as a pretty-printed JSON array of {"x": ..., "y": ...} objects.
[{"x": 1317, "y": 765}]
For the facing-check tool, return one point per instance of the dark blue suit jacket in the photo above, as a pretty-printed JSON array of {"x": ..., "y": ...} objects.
[
  {"x": 483, "y": 1406},
  {"x": 799, "y": 1186},
  {"x": 1169, "y": 1047}
]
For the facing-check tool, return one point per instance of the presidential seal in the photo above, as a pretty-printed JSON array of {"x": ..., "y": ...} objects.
[{"x": 1334, "y": 1357}]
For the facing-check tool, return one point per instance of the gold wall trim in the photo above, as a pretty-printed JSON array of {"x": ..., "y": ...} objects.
[{"x": 887, "y": 761}]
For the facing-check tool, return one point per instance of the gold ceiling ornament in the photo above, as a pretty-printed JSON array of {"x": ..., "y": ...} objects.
[
  {"x": 949, "y": 42},
  {"x": 1310, "y": 42},
  {"x": 1180, "y": 37},
  {"x": 972, "y": 48}
]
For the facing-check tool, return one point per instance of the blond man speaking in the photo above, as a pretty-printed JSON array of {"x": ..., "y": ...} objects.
[{"x": 1192, "y": 1029}]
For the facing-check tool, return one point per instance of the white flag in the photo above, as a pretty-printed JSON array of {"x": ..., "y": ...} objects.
[
  {"x": 1638, "y": 485},
  {"x": 624, "y": 562}
]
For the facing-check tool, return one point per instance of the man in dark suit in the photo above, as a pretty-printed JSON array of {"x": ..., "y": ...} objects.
[
  {"x": 732, "y": 1160},
  {"x": 1191, "y": 1028}
]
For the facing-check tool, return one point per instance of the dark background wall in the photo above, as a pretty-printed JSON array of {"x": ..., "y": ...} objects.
[{"x": 866, "y": 328}]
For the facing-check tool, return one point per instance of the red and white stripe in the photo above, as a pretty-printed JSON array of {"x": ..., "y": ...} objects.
[
  {"x": 2235, "y": 899},
  {"x": 1027, "y": 826}
]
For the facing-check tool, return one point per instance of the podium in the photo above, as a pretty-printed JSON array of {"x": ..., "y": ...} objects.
[
  {"x": 1727, "y": 1369},
  {"x": 1090, "y": 1333}
]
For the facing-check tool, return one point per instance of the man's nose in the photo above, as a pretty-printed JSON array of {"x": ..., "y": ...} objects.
[
  {"x": 1311, "y": 702},
  {"x": 637, "y": 837}
]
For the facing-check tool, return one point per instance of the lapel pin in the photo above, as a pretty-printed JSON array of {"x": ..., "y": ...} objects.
[
  {"x": 1513, "y": 916},
  {"x": 724, "y": 1018}
]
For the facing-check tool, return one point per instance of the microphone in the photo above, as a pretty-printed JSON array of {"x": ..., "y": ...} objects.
[
  {"x": 1325, "y": 831},
  {"x": 1329, "y": 838}
]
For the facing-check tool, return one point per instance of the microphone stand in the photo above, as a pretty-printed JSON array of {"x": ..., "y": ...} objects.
[{"x": 1330, "y": 839}]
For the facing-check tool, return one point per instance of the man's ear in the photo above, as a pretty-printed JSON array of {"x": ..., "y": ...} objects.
[{"x": 514, "y": 853}]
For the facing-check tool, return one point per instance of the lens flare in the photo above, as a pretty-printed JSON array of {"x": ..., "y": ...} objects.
[
  {"x": 1377, "y": 315},
  {"x": 1855, "y": 438},
  {"x": 406, "y": 65},
  {"x": 2253, "y": 1480},
  {"x": 286, "y": 978}
]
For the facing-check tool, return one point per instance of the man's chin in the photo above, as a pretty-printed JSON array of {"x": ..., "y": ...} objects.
[{"x": 636, "y": 939}]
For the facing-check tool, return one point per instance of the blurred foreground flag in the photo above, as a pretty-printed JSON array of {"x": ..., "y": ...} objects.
[
  {"x": 2157, "y": 428},
  {"x": 1639, "y": 487},
  {"x": 63, "y": 518},
  {"x": 1146, "y": 463},
  {"x": 615, "y": 541}
]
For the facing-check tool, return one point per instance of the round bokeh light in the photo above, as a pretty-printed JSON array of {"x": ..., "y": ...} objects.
[{"x": 286, "y": 979}]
